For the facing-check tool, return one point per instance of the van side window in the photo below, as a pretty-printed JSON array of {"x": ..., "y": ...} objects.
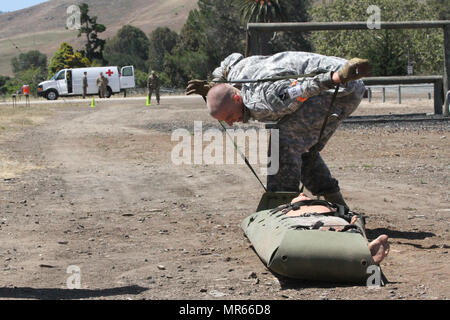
[
  {"x": 127, "y": 72},
  {"x": 61, "y": 75}
]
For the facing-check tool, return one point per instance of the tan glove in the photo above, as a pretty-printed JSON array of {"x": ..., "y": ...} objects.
[
  {"x": 200, "y": 87},
  {"x": 354, "y": 69}
]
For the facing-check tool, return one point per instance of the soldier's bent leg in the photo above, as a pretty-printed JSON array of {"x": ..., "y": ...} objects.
[
  {"x": 157, "y": 95},
  {"x": 316, "y": 176},
  {"x": 290, "y": 162},
  {"x": 150, "y": 92}
]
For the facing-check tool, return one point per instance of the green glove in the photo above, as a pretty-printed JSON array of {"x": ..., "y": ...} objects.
[
  {"x": 200, "y": 87},
  {"x": 354, "y": 69}
]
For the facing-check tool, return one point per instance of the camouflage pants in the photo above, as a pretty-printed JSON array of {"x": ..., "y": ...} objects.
[
  {"x": 150, "y": 92},
  {"x": 299, "y": 132},
  {"x": 102, "y": 91}
]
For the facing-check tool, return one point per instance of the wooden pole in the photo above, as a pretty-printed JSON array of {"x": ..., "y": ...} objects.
[
  {"x": 446, "y": 104},
  {"x": 438, "y": 97},
  {"x": 447, "y": 58}
]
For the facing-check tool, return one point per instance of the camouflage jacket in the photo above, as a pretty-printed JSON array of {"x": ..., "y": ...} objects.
[
  {"x": 265, "y": 100},
  {"x": 153, "y": 83},
  {"x": 102, "y": 81}
]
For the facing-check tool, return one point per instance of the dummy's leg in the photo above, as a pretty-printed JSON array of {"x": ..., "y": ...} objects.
[{"x": 379, "y": 248}]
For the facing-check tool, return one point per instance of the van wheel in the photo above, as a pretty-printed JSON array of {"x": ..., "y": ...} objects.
[
  {"x": 52, "y": 95},
  {"x": 108, "y": 92}
]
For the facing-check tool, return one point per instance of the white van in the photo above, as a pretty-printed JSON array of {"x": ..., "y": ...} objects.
[{"x": 69, "y": 82}]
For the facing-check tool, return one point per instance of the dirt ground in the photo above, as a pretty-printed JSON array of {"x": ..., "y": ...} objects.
[{"x": 95, "y": 188}]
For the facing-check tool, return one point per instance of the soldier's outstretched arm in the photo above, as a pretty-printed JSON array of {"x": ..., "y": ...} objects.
[{"x": 353, "y": 70}]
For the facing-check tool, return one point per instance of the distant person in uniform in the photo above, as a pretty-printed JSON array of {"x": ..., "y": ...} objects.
[
  {"x": 85, "y": 85},
  {"x": 102, "y": 84},
  {"x": 153, "y": 83}
]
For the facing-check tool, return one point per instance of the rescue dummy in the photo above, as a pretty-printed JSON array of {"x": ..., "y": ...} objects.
[{"x": 315, "y": 240}]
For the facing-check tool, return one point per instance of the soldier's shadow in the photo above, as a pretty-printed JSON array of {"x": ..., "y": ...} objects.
[
  {"x": 410, "y": 235},
  {"x": 68, "y": 294}
]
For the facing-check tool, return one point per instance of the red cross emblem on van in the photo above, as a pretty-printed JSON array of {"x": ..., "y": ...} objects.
[{"x": 109, "y": 73}]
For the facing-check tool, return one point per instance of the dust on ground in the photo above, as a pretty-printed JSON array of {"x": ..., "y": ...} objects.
[{"x": 95, "y": 188}]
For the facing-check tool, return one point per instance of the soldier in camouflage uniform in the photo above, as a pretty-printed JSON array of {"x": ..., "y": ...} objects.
[
  {"x": 299, "y": 105},
  {"x": 102, "y": 84},
  {"x": 153, "y": 83},
  {"x": 85, "y": 85}
]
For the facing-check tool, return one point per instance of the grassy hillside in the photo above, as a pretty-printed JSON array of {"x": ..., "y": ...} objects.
[{"x": 42, "y": 27}]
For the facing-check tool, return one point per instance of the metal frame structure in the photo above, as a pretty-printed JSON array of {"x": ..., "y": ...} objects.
[{"x": 254, "y": 30}]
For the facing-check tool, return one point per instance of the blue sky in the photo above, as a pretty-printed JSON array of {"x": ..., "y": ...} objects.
[{"x": 18, "y": 4}]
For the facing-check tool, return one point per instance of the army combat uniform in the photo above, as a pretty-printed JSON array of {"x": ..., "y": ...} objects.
[
  {"x": 299, "y": 119},
  {"x": 102, "y": 84},
  {"x": 153, "y": 83},
  {"x": 85, "y": 86}
]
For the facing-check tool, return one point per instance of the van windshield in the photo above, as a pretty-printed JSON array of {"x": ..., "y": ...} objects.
[
  {"x": 54, "y": 76},
  {"x": 59, "y": 75}
]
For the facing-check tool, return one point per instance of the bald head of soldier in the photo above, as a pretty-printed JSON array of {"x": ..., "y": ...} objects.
[{"x": 224, "y": 103}]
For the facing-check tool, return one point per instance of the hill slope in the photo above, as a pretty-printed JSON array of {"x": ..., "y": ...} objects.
[{"x": 42, "y": 27}]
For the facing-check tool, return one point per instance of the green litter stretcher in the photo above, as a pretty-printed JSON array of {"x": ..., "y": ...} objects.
[{"x": 295, "y": 247}]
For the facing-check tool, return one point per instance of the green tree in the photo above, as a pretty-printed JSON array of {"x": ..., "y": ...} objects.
[
  {"x": 294, "y": 11},
  {"x": 162, "y": 42},
  {"x": 388, "y": 50},
  {"x": 211, "y": 33},
  {"x": 128, "y": 47},
  {"x": 442, "y": 7},
  {"x": 140, "y": 78},
  {"x": 65, "y": 57},
  {"x": 261, "y": 11},
  {"x": 3, "y": 82},
  {"x": 32, "y": 77},
  {"x": 12, "y": 85},
  {"x": 266, "y": 11},
  {"x": 90, "y": 28},
  {"x": 30, "y": 59}
]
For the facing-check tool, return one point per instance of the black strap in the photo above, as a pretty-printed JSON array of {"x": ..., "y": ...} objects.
[
  {"x": 241, "y": 154},
  {"x": 336, "y": 210},
  {"x": 243, "y": 157}
]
